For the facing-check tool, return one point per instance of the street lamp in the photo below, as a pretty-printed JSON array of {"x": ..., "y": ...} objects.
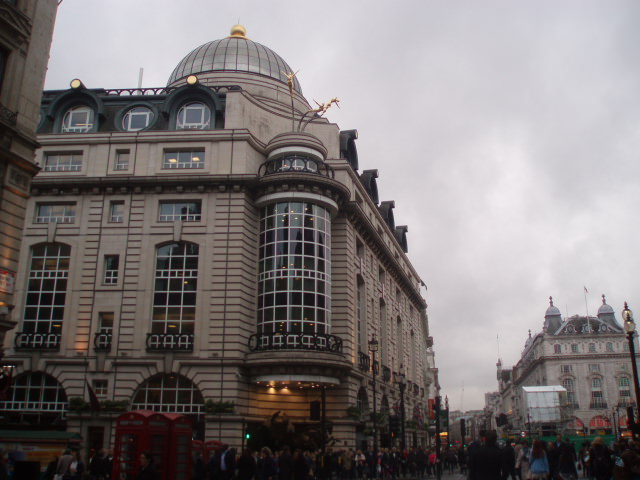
[
  {"x": 630, "y": 328},
  {"x": 402, "y": 383},
  {"x": 373, "y": 348}
]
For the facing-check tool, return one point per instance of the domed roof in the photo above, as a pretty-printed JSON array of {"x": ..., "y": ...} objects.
[
  {"x": 552, "y": 310},
  {"x": 604, "y": 308},
  {"x": 236, "y": 53}
]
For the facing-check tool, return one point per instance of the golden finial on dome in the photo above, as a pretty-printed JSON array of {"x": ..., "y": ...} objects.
[{"x": 238, "y": 31}]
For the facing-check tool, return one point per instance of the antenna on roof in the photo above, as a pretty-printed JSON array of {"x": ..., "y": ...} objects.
[{"x": 140, "y": 78}]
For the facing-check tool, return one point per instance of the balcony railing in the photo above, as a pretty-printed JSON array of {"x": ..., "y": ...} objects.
[
  {"x": 170, "y": 341},
  {"x": 295, "y": 164},
  {"x": 102, "y": 341},
  {"x": 364, "y": 362},
  {"x": 37, "y": 341},
  {"x": 295, "y": 341}
]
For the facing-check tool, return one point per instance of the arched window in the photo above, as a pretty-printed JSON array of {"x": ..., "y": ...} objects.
[
  {"x": 78, "y": 119},
  {"x": 567, "y": 383},
  {"x": 362, "y": 401},
  {"x": 36, "y": 398},
  {"x": 174, "y": 296},
  {"x": 624, "y": 391},
  {"x": 597, "y": 397},
  {"x": 599, "y": 421},
  {"x": 193, "y": 116},
  {"x": 361, "y": 326},
  {"x": 169, "y": 393},
  {"x": 46, "y": 295}
]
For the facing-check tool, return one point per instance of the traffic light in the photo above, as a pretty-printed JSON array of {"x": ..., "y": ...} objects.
[
  {"x": 247, "y": 435},
  {"x": 394, "y": 425},
  {"x": 463, "y": 429},
  {"x": 314, "y": 410}
]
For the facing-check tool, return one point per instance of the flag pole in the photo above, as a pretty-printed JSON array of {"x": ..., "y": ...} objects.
[{"x": 585, "y": 302}]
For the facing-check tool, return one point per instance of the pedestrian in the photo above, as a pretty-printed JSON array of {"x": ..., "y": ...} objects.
[
  {"x": 508, "y": 461},
  {"x": 285, "y": 464},
  {"x": 485, "y": 460},
  {"x": 64, "y": 464},
  {"x": 538, "y": 463},
  {"x": 147, "y": 470},
  {"x": 567, "y": 462},
  {"x": 268, "y": 469},
  {"x": 522, "y": 461},
  {"x": 600, "y": 464},
  {"x": 247, "y": 466}
]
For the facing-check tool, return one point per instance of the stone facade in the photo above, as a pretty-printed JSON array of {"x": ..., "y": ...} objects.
[
  {"x": 214, "y": 257},
  {"x": 26, "y": 29},
  {"x": 589, "y": 357}
]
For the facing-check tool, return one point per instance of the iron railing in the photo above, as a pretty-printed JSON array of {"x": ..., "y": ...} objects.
[
  {"x": 102, "y": 341},
  {"x": 295, "y": 164},
  {"x": 37, "y": 341},
  {"x": 295, "y": 341},
  {"x": 170, "y": 341}
]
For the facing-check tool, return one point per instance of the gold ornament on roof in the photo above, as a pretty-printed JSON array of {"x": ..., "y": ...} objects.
[{"x": 238, "y": 31}]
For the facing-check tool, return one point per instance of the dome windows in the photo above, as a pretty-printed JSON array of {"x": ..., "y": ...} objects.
[
  {"x": 193, "y": 116},
  {"x": 78, "y": 119},
  {"x": 137, "y": 118}
]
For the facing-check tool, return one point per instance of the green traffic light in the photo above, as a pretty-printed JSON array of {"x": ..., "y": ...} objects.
[{"x": 247, "y": 436}]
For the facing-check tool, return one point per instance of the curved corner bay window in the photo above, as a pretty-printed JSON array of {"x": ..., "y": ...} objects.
[
  {"x": 193, "y": 116},
  {"x": 174, "y": 294},
  {"x": 294, "y": 284},
  {"x": 138, "y": 118},
  {"x": 46, "y": 290},
  {"x": 78, "y": 120}
]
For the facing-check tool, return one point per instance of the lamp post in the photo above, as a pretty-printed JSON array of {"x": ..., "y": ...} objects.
[
  {"x": 402, "y": 383},
  {"x": 373, "y": 348},
  {"x": 630, "y": 328}
]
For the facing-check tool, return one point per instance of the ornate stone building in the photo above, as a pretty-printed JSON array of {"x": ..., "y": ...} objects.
[
  {"x": 26, "y": 28},
  {"x": 211, "y": 248},
  {"x": 589, "y": 357}
]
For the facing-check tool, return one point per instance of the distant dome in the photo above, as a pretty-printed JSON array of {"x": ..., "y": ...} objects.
[
  {"x": 605, "y": 309},
  {"x": 552, "y": 310},
  {"x": 236, "y": 53}
]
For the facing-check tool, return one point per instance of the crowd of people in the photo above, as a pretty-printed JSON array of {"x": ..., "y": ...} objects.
[
  {"x": 486, "y": 459},
  {"x": 558, "y": 460}
]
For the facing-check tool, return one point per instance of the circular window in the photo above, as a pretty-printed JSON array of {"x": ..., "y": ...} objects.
[{"x": 137, "y": 118}]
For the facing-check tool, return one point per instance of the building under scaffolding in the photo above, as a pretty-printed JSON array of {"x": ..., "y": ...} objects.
[{"x": 547, "y": 408}]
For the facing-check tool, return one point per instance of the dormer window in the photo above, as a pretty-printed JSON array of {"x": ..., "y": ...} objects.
[
  {"x": 193, "y": 116},
  {"x": 78, "y": 120},
  {"x": 138, "y": 118}
]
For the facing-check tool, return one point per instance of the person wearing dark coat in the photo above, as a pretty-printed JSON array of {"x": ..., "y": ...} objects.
[
  {"x": 268, "y": 468},
  {"x": 508, "y": 462},
  {"x": 147, "y": 472},
  {"x": 553, "y": 457},
  {"x": 247, "y": 467},
  {"x": 485, "y": 461},
  {"x": 567, "y": 461},
  {"x": 300, "y": 466},
  {"x": 285, "y": 464}
]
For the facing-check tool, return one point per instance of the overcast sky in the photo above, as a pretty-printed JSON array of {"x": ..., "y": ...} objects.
[{"x": 507, "y": 132}]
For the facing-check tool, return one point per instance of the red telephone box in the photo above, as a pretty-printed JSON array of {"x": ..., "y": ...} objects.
[
  {"x": 167, "y": 436},
  {"x": 179, "y": 447}
]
